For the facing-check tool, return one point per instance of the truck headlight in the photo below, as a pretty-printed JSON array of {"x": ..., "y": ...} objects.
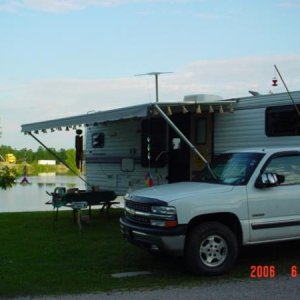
[
  {"x": 163, "y": 216},
  {"x": 163, "y": 210}
]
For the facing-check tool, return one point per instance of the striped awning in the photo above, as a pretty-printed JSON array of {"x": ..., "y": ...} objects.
[{"x": 131, "y": 112}]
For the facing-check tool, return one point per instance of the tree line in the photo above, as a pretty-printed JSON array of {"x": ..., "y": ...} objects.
[{"x": 29, "y": 156}]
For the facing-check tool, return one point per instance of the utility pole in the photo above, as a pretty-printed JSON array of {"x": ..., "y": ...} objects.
[{"x": 155, "y": 74}]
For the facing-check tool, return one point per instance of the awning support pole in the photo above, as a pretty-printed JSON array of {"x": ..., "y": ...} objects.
[
  {"x": 185, "y": 139},
  {"x": 58, "y": 158}
]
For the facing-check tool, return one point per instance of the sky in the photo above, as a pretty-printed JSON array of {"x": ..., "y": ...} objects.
[{"x": 60, "y": 58}]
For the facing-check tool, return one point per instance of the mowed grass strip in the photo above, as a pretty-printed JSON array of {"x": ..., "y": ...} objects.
[{"x": 41, "y": 257}]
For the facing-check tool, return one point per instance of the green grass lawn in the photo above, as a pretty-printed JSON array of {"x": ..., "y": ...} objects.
[{"x": 42, "y": 257}]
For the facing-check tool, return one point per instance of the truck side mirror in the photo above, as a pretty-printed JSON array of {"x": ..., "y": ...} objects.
[{"x": 268, "y": 180}]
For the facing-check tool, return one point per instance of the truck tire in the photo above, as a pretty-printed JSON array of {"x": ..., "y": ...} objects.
[{"x": 211, "y": 249}]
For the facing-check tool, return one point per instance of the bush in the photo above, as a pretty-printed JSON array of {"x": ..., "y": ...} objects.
[{"x": 7, "y": 177}]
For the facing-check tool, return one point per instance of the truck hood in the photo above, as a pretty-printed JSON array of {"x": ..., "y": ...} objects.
[{"x": 175, "y": 191}]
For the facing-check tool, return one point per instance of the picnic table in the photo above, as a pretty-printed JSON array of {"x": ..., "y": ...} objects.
[{"x": 77, "y": 199}]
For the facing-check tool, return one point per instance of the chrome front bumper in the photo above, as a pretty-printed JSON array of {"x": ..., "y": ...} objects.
[{"x": 169, "y": 241}]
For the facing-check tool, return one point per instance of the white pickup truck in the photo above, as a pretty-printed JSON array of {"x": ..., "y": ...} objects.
[{"x": 251, "y": 196}]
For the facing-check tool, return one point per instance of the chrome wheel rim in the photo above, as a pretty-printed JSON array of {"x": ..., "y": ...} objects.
[{"x": 213, "y": 251}]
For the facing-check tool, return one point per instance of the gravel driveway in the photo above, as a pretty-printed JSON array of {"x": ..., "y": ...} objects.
[{"x": 281, "y": 287}]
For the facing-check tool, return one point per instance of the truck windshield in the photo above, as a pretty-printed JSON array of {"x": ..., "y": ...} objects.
[{"x": 231, "y": 168}]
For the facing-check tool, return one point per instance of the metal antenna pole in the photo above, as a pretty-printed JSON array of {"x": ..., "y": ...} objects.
[
  {"x": 156, "y": 86},
  {"x": 155, "y": 74}
]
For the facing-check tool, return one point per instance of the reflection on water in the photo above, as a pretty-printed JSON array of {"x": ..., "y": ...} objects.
[{"x": 32, "y": 196}]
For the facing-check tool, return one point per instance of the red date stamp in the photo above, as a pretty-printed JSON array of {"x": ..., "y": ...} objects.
[
  {"x": 269, "y": 271},
  {"x": 294, "y": 271},
  {"x": 259, "y": 271}
]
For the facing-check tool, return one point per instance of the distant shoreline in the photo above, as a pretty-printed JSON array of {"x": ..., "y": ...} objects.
[{"x": 36, "y": 169}]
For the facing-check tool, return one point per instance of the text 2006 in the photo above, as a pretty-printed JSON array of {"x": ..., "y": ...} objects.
[{"x": 259, "y": 271}]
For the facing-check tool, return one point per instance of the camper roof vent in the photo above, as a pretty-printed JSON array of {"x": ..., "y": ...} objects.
[{"x": 201, "y": 98}]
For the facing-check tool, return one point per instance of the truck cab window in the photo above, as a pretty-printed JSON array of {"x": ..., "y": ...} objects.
[
  {"x": 288, "y": 166},
  {"x": 231, "y": 168}
]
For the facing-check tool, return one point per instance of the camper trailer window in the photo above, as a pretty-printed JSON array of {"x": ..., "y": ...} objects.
[
  {"x": 282, "y": 121},
  {"x": 201, "y": 125},
  {"x": 98, "y": 140}
]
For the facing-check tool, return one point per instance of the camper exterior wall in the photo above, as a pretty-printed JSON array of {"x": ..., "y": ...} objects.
[
  {"x": 266, "y": 100},
  {"x": 245, "y": 128},
  {"x": 122, "y": 140},
  {"x": 108, "y": 176}
]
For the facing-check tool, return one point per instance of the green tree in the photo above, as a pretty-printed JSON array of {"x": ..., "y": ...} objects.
[
  {"x": 5, "y": 150},
  {"x": 71, "y": 159},
  {"x": 24, "y": 155},
  {"x": 31, "y": 157},
  {"x": 7, "y": 177},
  {"x": 62, "y": 154}
]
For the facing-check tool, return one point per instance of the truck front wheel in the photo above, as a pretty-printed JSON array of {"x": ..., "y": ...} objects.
[{"x": 211, "y": 249}]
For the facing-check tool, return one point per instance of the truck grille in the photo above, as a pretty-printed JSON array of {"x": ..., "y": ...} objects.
[{"x": 137, "y": 207}]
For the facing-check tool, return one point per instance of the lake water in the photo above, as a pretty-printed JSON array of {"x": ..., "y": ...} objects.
[{"x": 32, "y": 196}]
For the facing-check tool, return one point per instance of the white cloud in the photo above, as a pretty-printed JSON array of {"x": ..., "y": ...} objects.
[
  {"x": 70, "y": 5},
  {"x": 55, "y": 5},
  {"x": 52, "y": 5},
  {"x": 234, "y": 77},
  {"x": 229, "y": 78},
  {"x": 290, "y": 4},
  {"x": 10, "y": 5}
]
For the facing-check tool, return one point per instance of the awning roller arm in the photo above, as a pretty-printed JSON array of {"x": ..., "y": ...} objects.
[{"x": 58, "y": 158}]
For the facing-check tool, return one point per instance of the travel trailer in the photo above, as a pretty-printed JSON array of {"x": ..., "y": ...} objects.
[{"x": 154, "y": 143}]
